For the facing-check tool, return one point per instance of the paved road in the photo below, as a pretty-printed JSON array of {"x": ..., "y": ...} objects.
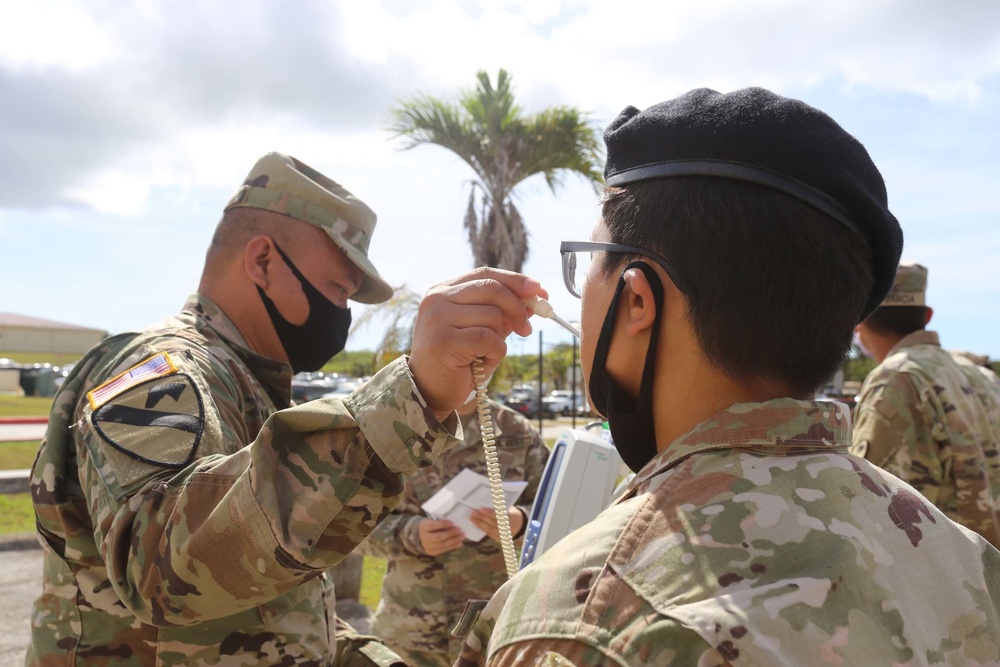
[
  {"x": 20, "y": 583},
  {"x": 21, "y": 432}
]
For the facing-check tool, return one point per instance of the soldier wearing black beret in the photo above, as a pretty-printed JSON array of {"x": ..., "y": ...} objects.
[{"x": 742, "y": 238}]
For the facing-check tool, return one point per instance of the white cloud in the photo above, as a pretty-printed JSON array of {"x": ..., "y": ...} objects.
[
  {"x": 150, "y": 114},
  {"x": 53, "y": 34},
  {"x": 595, "y": 52}
]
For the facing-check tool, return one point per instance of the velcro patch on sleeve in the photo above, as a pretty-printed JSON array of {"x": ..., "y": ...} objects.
[
  {"x": 156, "y": 366},
  {"x": 159, "y": 422}
]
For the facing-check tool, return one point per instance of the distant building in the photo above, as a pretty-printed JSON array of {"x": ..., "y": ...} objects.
[{"x": 20, "y": 333}]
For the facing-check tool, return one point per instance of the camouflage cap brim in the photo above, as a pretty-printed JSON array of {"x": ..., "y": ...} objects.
[{"x": 285, "y": 185}]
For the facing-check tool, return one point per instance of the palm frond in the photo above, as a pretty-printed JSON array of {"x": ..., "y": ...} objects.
[
  {"x": 399, "y": 313},
  {"x": 487, "y": 129},
  {"x": 426, "y": 120}
]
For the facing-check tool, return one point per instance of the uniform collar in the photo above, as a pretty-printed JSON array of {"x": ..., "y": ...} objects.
[
  {"x": 779, "y": 426},
  {"x": 275, "y": 376},
  {"x": 916, "y": 338}
]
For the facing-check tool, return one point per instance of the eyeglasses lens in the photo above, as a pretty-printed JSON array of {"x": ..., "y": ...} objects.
[{"x": 577, "y": 266}]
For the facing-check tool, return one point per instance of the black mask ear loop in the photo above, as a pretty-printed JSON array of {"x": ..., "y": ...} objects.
[{"x": 630, "y": 419}]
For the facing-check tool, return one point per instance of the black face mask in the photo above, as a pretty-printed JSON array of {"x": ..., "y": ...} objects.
[
  {"x": 314, "y": 342},
  {"x": 630, "y": 419}
]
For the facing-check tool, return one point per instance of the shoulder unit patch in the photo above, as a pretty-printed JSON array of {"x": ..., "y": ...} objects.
[{"x": 157, "y": 418}]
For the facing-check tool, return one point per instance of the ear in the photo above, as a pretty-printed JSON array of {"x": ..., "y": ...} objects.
[
  {"x": 928, "y": 315},
  {"x": 639, "y": 310},
  {"x": 258, "y": 255}
]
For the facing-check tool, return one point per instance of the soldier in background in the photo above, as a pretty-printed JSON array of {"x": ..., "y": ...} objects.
[
  {"x": 927, "y": 416},
  {"x": 433, "y": 570},
  {"x": 981, "y": 362},
  {"x": 742, "y": 238},
  {"x": 186, "y": 512}
]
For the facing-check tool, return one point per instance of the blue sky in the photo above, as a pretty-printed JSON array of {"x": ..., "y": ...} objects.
[{"x": 125, "y": 127}]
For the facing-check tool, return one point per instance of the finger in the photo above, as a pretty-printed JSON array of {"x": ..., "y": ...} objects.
[
  {"x": 473, "y": 315},
  {"x": 471, "y": 343},
  {"x": 485, "y": 291},
  {"x": 518, "y": 283},
  {"x": 444, "y": 534},
  {"x": 483, "y": 513},
  {"x": 449, "y": 545},
  {"x": 437, "y": 524}
]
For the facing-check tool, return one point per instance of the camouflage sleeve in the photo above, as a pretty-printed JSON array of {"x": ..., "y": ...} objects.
[
  {"x": 357, "y": 650},
  {"x": 893, "y": 430},
  {"x": 228, "y": 532},
  {"x": 674, "y": 648},
  {"x": 663, "y": 641},
  {"x": 396, "y": 537}
]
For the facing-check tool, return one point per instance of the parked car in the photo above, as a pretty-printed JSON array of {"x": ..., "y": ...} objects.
[
  {"x": 343, "y": 388},
  {"x": 62, "y": 372},
  {"x": 560, "y": 402},
  {"x": 523, "y": 399},
  {"x": 310, "y": 386}
]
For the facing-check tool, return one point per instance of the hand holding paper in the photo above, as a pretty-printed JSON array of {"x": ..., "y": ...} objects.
[
  {"x": 468, "y": 491},
  {"x": 486, "y": 520}
]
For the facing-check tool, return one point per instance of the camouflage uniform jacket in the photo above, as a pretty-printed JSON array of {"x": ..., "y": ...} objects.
[
  {"x": 189, "y": 520},
  {"x": 935, "y": 423},
  {"x": 423, "y": 596},
  {"x": 754, "y": 539}
]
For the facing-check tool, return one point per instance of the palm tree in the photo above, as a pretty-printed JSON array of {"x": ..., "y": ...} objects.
[
  {"x": 504, "y": 147},
  {"x": 400, "y": 312}
]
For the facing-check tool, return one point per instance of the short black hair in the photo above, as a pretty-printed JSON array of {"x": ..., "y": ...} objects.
[
  {"x": 897, "y": 321},
  {"x": 777, "y": 287},
  {"x": 235, "y": 229}
]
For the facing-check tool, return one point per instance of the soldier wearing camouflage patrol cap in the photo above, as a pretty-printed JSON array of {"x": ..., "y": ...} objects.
[
  {"x": 187, "y": 512},
  {"x": 909, "y": 288},
  {"x": 742, "y": 237},
  {"x": 926, "y": 415}
]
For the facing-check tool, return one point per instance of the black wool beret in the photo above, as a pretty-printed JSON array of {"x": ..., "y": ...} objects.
[{"x": 777, "y": 142}]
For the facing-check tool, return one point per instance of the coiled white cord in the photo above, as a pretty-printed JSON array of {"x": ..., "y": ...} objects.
[{"x": 493, "y": 469}]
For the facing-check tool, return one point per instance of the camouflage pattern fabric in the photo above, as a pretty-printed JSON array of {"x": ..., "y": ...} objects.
[
  {"x": 211, "y": 549},
  {"x": 754, "y": 539},
  {"x": 935, "y": 423},
  {"x": 979, "y": 362},
  {"x": 423, "y": 596},
  {"x": 909, "y": 287}
]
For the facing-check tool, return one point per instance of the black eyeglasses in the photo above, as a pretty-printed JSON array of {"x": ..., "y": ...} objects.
[{"x": 577, "y": 257}]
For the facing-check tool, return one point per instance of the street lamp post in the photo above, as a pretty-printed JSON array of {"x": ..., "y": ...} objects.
[
  {"x": 540, "y": 369},
  {"x": 573, "y": 371}
]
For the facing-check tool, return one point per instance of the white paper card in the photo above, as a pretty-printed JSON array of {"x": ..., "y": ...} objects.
[{"x": 465, "y": 492}]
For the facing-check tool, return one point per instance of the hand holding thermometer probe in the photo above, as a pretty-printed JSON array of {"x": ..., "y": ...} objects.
[{"x": 542, "y": 308}]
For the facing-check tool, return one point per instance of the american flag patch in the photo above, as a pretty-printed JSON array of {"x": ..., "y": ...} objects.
[{"x": 155, "y": 366}]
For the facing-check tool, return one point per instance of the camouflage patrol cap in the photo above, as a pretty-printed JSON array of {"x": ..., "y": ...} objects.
[
  {"x": 284, "y": 185},
  {"x": 910, "y": 286}
]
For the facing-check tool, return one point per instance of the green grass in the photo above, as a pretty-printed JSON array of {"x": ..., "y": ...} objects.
[
  {"x": 16, "y": 514},
  {"x": 17, "y": 455},
  {"x": 372, "y": 573},
  {"x": 25, "y": 406}
]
